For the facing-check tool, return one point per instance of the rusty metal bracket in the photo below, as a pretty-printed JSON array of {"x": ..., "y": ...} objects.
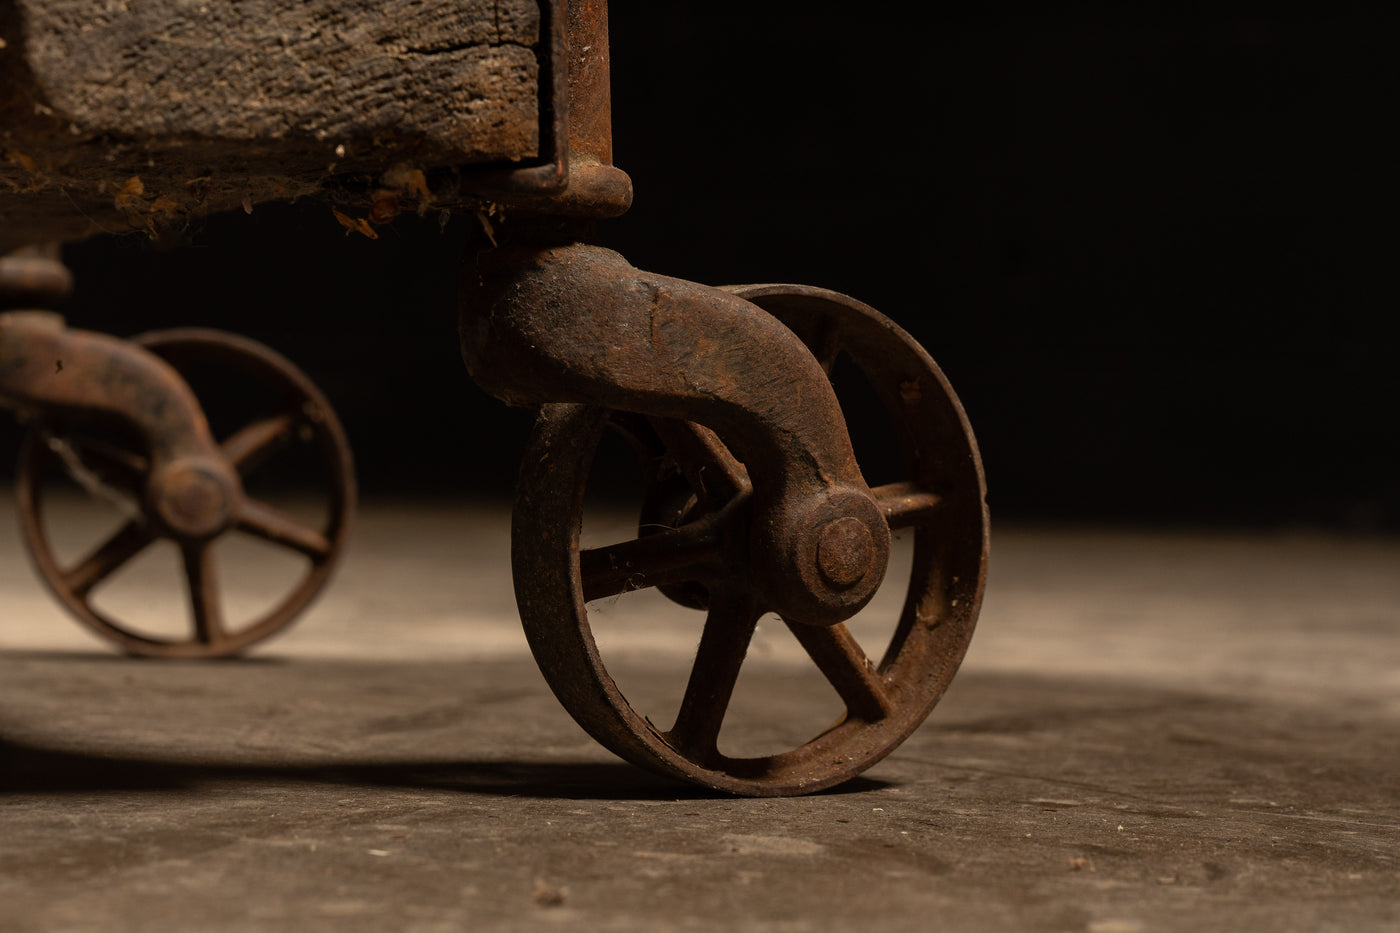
[
  {"x": 575, "y": 176},
  {"x": 46, "y": 367},
  {"x": 577, "y": 323}
]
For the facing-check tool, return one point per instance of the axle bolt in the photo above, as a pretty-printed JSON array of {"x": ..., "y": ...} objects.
[
  {"x": 193, "y": 500},
  {"x": 845, "y": 552}
]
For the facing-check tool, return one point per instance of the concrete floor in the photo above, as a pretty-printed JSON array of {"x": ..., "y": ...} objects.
[{"x": 1152, "y": 731}]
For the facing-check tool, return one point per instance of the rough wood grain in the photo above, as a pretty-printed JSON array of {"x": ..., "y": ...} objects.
[{"x": 122, "y": 114}]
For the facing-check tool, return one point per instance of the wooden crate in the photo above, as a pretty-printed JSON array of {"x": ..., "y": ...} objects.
[{"x": 121, "y": 115}]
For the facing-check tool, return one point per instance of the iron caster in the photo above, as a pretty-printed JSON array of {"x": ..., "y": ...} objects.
[
  {"x": 693, "y": 544},
  {"x": 127, "y": 429}
]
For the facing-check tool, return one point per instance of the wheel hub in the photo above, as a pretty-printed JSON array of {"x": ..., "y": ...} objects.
[
  {"x": 825, "y": 559},
  {"x": 845, "y": 552},
  {"x": 194, "y": 498}
]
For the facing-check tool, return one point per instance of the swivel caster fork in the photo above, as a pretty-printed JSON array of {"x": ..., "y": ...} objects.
[
  {"x": 725, "y": 396},
  {"x": 120, "y": 418}
]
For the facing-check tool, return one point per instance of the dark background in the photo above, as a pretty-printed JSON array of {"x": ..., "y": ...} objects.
[{"x": 1154, "y": 254}]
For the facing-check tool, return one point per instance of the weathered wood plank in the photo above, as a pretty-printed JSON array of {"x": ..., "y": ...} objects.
[{"x": 137, "y": 113}]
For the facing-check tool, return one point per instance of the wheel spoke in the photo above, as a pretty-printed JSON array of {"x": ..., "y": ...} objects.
[
  {"x": 905, "y": 504},
  {"x": 246, "y": 448},
  {"x": 676, "y": 555},
  {"x": 843, "y": 663},
  {"x": 714, "y": 474},
  {"x": 202, "y": 577},
  {"x": 270, "y": 524},
  {"x": 725, "y": 641},
  {"x": 107, "y": 558}
]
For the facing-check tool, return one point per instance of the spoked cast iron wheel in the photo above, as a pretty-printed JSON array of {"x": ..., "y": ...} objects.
[
  {"x": 698, "y": 562},
  {"x": 119, "y": 471}
]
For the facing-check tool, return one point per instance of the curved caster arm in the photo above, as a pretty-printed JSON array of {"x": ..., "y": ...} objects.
[
  {"x": 44, "y": 365},
  {"x": 577, "y": 323}
]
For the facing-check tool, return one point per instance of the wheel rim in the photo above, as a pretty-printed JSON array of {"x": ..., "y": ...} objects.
[
  {"x": 886, "y": 698},
  {"x": 307, "y": 412}
]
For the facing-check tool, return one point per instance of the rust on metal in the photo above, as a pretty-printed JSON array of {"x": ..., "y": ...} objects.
[
  {"x": 754, "y": 500},
  {"x": 705, "y": 558},
  {"x": 578, "y": 323},
  {"x": 45, "y": 366},
  {"x": 177, "y": 483},
  {"x": 576, "y": 177}
]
